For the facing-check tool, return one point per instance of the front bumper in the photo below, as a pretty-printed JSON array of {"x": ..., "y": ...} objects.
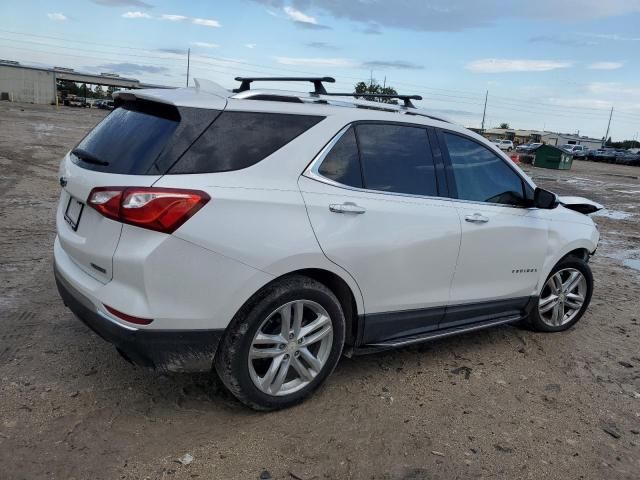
[{"x": 165, "y": 350}]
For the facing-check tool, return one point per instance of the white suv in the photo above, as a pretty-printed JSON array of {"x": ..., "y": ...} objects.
[
  {"x": 504, "y": 145},
  {"x": 265, "y": 233}
]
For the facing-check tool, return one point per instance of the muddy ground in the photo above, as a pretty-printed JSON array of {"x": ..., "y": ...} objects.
[{"x": 503, "y": 403}]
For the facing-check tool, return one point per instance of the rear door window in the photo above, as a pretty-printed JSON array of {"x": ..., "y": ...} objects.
[
  {"x": 238, "y": 140},
  {"x": 342, "y": 163},
  {"x": 396, "y": 158},
  {"x": 128, "y": 140}
]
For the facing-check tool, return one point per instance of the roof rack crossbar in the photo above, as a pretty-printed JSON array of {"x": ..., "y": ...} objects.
[
  {"x": 245, "y": 82},
  {"x": 405, "y": 98}
]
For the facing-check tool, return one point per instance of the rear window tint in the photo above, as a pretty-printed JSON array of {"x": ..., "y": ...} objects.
[
  {"x": 128, "y": 140},
  {"x": 342, "y": 163},
  {"x": 240, "y": 139}
]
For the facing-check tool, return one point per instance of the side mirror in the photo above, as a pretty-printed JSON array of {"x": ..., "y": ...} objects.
[{"x": 544, "y": 199}]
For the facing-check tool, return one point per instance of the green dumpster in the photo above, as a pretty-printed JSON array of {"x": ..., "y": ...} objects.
[{"x": 548, "y": 156}]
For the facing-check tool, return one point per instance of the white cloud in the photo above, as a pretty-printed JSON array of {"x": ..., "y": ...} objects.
[
  {"x": 272, "y": 13},
  {"x": 298, "y": 16},
  {"x": 250, "y": 45},
  {"x": 580, "y": 102},
  {"x": 205, "y": 44},
  {"x": 501, "y": 65},
  {"x": 136, "y": 15},
  {"x": 615, "y": 89},
  {"x": 174, "y": 18},
  {"x": 317, "y": 62},
  {"x": 447, "y": 15},
  {"x": 605, "y": 65},
  {"x": 57, "y": 17},
  {"x": 205, "y": 22}
]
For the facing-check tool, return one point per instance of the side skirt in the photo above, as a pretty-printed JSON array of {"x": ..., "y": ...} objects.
[{"x": 502, "y": 318}]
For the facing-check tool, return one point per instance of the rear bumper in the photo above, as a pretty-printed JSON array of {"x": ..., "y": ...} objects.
[{"x": 169, "y": 350}]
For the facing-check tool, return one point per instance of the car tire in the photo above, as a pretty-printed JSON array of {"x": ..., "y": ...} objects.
[
  {"x": 567, "y": 313},
  {"x": 239, "y": 361}
]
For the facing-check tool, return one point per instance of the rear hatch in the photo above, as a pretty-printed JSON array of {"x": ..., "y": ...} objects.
[{"x": 133, "y": 146}]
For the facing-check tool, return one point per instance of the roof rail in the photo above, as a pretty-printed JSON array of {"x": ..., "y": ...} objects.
[
  {"x": 317, "y": 82},
  {"x": 406, "y": 98},
  {"x": 299, "y": 97}
]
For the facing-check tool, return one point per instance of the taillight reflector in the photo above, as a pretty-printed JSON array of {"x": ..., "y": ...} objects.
[
  {"x": 160, "y": 209},
  {"x": 127, "y": 317}
]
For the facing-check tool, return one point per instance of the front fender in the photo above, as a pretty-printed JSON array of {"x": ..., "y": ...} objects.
[{"x": 568, "y": 238}]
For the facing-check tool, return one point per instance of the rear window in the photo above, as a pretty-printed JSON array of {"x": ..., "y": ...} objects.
[
  {"x": 128, "y": 140},
  {"x": 240, "y": 139}
]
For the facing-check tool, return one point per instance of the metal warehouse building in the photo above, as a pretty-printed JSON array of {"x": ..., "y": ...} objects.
[
  {"x": 21, "y": 83},
  {"x": 548, "y": 138}
]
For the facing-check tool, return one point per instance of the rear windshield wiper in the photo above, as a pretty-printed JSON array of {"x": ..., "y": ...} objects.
[{"x": 88, "y": 157}]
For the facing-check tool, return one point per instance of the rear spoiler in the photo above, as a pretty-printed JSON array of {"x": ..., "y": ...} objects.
[{"x": 178, "y": 97}]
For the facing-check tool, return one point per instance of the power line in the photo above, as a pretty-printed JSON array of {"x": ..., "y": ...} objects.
[
  {"x": 433, "y": 91},
  {"x": 215, "y": 64}
]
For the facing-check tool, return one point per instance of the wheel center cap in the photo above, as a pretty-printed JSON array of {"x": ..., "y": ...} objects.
[{"x": 292, "y": 346}]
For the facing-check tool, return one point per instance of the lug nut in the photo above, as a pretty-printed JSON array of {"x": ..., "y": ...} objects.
[
  {"x": 281, "y": 346},
  {"x": 297, "y": 354},
  {"x": 286, "y": 357},
  {"x": 301, "y": 339},
  {"x": 291, "y": 336}
]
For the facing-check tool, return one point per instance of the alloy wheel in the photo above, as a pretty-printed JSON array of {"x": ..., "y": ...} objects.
[
  {"x": 290, "y": 348},
  {"x": 562, "y": 297}
]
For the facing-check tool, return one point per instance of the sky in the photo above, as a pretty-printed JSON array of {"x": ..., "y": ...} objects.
[{"x": 559, "y": 65}]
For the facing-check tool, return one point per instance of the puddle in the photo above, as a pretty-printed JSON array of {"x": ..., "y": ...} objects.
[
  {"x": 612, "y": 214},
  {"x": 629, "y": 192},
  {"x": 632, "y": 263}
]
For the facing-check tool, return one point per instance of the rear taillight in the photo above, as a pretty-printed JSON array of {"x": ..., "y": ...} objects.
[{"x": 159, "y": 209}]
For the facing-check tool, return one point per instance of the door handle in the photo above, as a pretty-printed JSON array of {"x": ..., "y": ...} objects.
[
  {"x": 476, "y": 218},
  {"x": 347, "y": 207}
]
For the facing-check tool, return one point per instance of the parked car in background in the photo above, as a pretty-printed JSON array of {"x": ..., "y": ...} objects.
[
  {"x": 604, "y": 155},
  {"x": 629, "y": 158},
  {"x": 106, "y": 105},
  {"x": 197, "y": 230},
  {"x": 528, "y": 147},
  {"x": 578, "y": 151},
  {"x": 506, "y": 145}
]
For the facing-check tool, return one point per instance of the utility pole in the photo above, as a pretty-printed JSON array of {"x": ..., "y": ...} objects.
[
  {"x": 484, "y": 112},
  {"x": 188, "y": 62},
  {"x": 606, "y": 135}
]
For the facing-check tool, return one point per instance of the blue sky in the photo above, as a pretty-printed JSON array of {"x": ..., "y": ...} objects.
[{"x": 554, "y": 64}]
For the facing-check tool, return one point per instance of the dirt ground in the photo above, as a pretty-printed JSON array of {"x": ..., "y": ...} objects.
[{"x": 502, "y": 403}]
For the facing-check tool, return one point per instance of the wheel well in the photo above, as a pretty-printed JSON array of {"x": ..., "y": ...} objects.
[
  {"x": 344, "y": 294},
  {"x": 581, "y": 253}
]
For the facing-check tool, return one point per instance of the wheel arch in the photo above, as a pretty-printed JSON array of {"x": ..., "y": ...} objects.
[
  {"x": 342, "y": 286},
  {"x": 579, "y": 249},
  {"x": 345, "y": 295}
]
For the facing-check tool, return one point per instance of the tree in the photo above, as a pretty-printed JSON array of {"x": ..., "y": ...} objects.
[
  {"x": 373, "y": 87},
  {"x": 69, "y": 87},
  {"x": 111, "y": 91},
  {"x": 98, "y": 92},
  {"x": 505, "y": 125}
]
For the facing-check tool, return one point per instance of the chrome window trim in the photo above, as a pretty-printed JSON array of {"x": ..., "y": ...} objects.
[
  {"x": 312, "y": 173},
  {"x": 312, "y": 170}
]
